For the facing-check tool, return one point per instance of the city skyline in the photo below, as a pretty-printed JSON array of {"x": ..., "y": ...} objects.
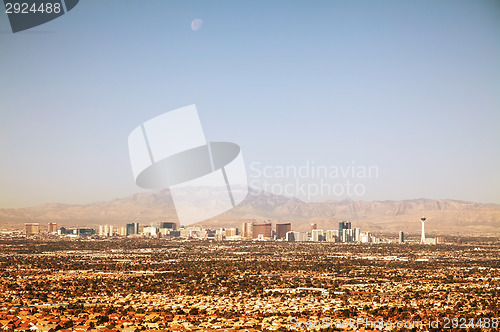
[
  {"x": 253, "y": 230},
  {"x": 406, "y": 87}
]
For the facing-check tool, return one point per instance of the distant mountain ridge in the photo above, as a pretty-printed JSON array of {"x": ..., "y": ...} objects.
[{"x": 379, "y": 216}]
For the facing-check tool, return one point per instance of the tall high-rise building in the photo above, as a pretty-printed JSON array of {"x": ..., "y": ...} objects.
[
  {"x": 401, "y": 237},
  {"x": 150, "y": 231},
  {"x": 263, "y": 229},
  {"x": 317, "y": 235},
  {"x": 296, "y": 236},
  {"x": 247, "y": 230},
  {"x": 282, "y": 229},
  {"x": 331, "y": 235},
  {"x": 52, "y": 227},
  {"x": 106, "y": 230},
  {"x": 349, "y": 235},
  {"x": 132, "y": 229},
  {"x": 219, "y": 234},
  {"x": 366, "y": 237},
  {"x": 342, "y": 226},
  {"x": 422, "y": 238},
  {"x": 357, "y": 235},
  {"x": 313, "y": 226},
  {"x": 122, "y": 231},
  {"x": 32, "y": 229},
  {"x": 228, "y": 232}
]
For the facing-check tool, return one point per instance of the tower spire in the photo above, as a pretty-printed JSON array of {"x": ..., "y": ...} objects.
[{"x": 422, "y": 239}]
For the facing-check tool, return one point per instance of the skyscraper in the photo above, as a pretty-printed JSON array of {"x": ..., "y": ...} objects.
[
  {"x": 401, "y": 237},
  {"x": 263, "y": 229},
  {"x": 150, "y": 231},
  {"x": 52, "y": 227},
  {"x": 343, "y": 225},
  {"x": 331, "y": 235},
  {"x": 422, "y": 239},
  {"x": 247, "y": 230},
  {"x": 357, "y": 235},
  {"x": 122, "y": 231},
  {"x": 32, "y": 229},
  {"x": 106, "y": 230},
  {"x": 297, "y": 236},
  {"x": 228, "y": 232},
  {"x": 282, "y": 229},
  {"x": 130, "y": 229},
  {"x": 133, "y": 229},
  {"x": 345, "y": 235},
  {"x": 350, "y": 235},
  {"x": 317, "y": 235}
]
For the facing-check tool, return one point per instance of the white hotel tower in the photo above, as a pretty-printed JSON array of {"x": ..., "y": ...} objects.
[{"x": 422, "y": 239}]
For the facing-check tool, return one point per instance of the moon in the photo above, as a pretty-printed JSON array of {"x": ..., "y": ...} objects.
[{"x": 196, "y": 24}]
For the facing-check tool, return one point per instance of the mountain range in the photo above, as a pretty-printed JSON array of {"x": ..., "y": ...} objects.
[{"x": 443, "y": 216}]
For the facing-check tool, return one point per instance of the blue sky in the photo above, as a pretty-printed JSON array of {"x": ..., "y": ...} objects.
[{"x": 412, "y": 87}]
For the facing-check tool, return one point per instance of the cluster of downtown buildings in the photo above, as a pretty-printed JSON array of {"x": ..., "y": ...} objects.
[
  {"x": 283, "y": 232},
  {"x": 250, "y": 230}
]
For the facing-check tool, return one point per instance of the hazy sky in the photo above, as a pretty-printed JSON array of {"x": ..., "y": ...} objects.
[{"x": 410, "y": 87}]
